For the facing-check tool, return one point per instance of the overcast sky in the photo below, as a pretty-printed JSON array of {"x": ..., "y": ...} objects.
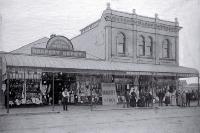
[{"x": 24, "y": 21}]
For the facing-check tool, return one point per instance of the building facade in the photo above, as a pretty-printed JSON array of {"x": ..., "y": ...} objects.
[
  {"x": 119, "y": 53},
  {"x": 128, "y": 37}
]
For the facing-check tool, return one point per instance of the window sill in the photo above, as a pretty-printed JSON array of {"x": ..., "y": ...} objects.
[
  {"x": 122, "y": 55},
  {"x": 170, "y": 59},
  {"x": 147, "y": 57}
]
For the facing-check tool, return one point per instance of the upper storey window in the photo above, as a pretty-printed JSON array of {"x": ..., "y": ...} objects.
[
  {"x": 121, "y": 43},
  {"x": 165, "y": 48},
  {"x": 148, "y": 46},
  {"x": 141, "y": 46}
]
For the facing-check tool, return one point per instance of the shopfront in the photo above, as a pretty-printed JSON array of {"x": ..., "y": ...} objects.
[
  {"x": 40, "y": 77},
  {"x": 32, "y": 84}
]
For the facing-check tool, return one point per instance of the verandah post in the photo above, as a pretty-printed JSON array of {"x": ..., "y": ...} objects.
[
  {"x": 91, "y": 87},
  {"x": 198, "y": 91},
  {"x": 53, "y": 92},
  {"x": 7, "y": 93},
  {"x": 152, "y": 87}
]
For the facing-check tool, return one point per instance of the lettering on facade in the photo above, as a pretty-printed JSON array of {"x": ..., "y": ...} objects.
[
  {"x": 142, "y": 23},
  {"x": 60, "y": 43},
  {"x": 91, "y": 26},
  {"x": 24, "y": 73},
  {"x": 54, "y": 52},
  {"x": 58, "y": 46}
]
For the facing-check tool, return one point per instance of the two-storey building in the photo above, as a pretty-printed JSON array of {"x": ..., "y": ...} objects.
[{"x": 118, "y": 52}]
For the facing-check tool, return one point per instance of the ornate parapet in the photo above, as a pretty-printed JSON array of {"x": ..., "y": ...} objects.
[{"x": 160, "y": 25}]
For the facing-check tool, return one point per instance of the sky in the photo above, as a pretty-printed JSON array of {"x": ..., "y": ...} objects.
[{"x": 25, "y": 21}]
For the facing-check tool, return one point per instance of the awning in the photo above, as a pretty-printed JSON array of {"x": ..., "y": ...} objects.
[{"x": 15, "y": 60}]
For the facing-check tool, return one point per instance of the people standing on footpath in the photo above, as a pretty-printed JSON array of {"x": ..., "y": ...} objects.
[
  {"x": 161, "y": 96},
  {"x": 188, "y": 98},
  {"x": 148, "y": 98},
  {"x": 167, "y": 98},
  {"x": 173, "y": 98},
  {"x": 65, "y": 99},
  {"x": 133, "y": 99},
  {"x": 179, "y": 98},
  {"x": 141, "y": 100},
  {"x": 183, "y": 99},
  {"x": 127, "y": 98}
]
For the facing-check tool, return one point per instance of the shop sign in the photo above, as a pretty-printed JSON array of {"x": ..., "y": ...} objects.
[
  {"x": 24, "y": 73},
  {"x": 55, "y": 52},
  {"x": 109, "y": 95},
  {"x": 59, "y": 42}
]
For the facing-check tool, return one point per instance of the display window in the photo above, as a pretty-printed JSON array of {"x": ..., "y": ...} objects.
[
  {"x": 33, "y": 92},
  {"x": 16, "y": 93}
]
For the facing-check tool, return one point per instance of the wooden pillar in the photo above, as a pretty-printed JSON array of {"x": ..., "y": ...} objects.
[
  {"x": 53, "y": 92},
  {"x": 90, "y": 96},
  {"x": 91, "y": 88},
  {"x": 7, "y": 93},
  {"x": 152, "y": 88},
  {"x": 198, "y": 90}
]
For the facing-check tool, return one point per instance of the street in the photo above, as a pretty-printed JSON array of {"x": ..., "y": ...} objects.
[{"x": 81, "y": 119}]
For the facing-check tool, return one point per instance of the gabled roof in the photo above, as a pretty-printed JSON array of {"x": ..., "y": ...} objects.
[{"x": 26, "y": 49}]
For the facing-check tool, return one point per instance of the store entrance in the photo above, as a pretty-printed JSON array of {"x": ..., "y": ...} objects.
[{"x": 62, "y": 81}]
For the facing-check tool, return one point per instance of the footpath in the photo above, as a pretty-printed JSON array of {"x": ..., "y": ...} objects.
[{"x": 77, "y": 109}]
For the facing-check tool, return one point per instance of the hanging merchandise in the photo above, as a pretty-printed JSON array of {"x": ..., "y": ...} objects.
[
  {"x": 33, "y": 92},
  {"x": 3, "y": 87},
  {"x": 16, "y": 89}
]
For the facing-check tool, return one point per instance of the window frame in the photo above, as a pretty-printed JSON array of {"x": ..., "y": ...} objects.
[
  {"x": 121, "y": 44},
  {"x": 166, "y": 49},
  {"x": 141, "y": 45},
  {"x": 149, "y": 45}
]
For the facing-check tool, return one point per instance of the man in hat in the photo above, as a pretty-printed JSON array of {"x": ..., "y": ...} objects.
[{"x": 65, "y": 98}]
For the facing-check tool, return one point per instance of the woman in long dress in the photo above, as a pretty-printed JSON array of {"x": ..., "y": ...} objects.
[
  {"x": 167, "y": 98},
  {"x": 183, "y": 98},
  {"x": 173, "y": 98},
  {"x": 179, "y": 98}
]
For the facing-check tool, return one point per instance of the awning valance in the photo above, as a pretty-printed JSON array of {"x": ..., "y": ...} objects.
[{"x": 100, "y": 65}]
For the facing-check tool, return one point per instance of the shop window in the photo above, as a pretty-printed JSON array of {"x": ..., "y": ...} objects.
[
  {"x": 165, "y": 48},
  {"x": 141, "y": 45},
  {"x": 148, "y": 47},
  {"x": 121, "y": 43}
]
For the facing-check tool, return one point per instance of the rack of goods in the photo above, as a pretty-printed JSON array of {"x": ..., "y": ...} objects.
[
  {"x": 16, "y": 94},
  {"x": 33, "y": 93}
]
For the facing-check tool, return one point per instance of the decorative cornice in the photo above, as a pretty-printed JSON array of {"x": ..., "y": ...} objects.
[{"x": 142, "y": 23}]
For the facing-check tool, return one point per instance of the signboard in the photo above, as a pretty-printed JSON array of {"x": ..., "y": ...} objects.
[
  {"x": 24, "y": 73},
  {"x": 109, "y": 95},
  {"x": 60, "y": 43},
  {"x": 55, "y": 52}
]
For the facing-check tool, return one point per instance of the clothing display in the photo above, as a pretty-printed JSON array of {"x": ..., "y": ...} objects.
[
  {"x": 24, "y": 92},
  {"x": 33, "y": 93}
]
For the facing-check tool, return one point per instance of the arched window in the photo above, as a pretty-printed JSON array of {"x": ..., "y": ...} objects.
[
  {"x": 149, "y": 46},
  {"x": 165, "y": 48},
  {"x": 121, "y": 43},
  {"x": 141, "y": 46}
]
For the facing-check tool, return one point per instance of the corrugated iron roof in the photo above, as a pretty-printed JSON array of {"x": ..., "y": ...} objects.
[
  {"x": 88, "y": 64},
  {"x": 26, "y": 49}
]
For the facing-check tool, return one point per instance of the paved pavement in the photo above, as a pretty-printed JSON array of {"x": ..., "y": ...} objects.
[{"x": 102, "y": 119}]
